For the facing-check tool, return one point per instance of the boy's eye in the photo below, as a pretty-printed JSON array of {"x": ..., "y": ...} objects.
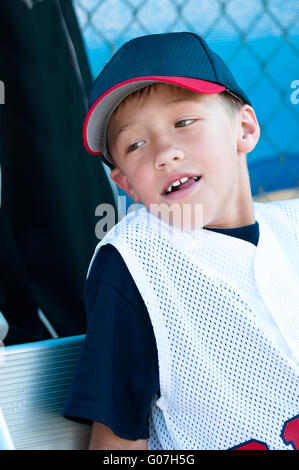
[
  {"x": 134, "y": 146},
  {"x": 184, "y": 122}
]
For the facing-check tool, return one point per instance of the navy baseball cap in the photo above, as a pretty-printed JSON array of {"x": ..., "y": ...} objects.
[{"x": 183, "y": 59}]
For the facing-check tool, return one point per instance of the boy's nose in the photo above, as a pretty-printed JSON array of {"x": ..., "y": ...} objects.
[{"x": 167, "y": 153}]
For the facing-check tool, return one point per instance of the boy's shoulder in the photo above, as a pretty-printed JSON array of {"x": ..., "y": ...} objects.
[
  {"x": 284, "y": 206},
  {"x": 281, "y": 217},
  {"x": 107, "y": 265}
]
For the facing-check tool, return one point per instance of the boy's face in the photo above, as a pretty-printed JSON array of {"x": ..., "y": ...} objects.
[{"x": 167, "y": 136}]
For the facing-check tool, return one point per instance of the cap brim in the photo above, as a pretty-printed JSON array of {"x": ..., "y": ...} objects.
[{"x": 94, "y": 129}]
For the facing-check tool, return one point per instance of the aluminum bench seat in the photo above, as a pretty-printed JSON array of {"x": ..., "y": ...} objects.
[{"x": 34, "y": 382}]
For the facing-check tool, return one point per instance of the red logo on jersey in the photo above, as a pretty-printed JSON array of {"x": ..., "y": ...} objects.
[
  {"x": 289, "y": 434},
  {"x": 252, "y": 445}
]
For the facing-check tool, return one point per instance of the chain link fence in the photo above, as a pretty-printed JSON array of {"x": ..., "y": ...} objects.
[{"x": 258, "y": 39}]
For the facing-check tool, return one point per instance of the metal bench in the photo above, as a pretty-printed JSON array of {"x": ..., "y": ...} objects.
[{"x": 34, "y": 382}]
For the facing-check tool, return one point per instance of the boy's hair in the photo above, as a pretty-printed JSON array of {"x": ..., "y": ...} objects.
[{"x": 231, "y": 103}]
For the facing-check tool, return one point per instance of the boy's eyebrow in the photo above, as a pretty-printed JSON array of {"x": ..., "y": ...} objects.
[
  {"x": 123, "y": 128},
  {"x": 179, "y": 100}
]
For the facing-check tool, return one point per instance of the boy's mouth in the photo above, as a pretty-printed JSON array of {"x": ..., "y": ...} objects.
[{"x": 180, "y": 184}]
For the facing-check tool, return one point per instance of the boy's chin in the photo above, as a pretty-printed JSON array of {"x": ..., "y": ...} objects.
[{"x": 185, "y": 217}]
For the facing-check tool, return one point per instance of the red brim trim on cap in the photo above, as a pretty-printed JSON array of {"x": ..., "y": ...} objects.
[{"x": 194, "y": 84}]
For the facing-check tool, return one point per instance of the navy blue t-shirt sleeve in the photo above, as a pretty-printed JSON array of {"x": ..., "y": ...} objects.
[{"x": 117, "y": 373}]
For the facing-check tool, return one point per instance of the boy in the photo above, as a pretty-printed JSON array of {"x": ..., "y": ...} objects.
[{"x": 192, "y": 338}]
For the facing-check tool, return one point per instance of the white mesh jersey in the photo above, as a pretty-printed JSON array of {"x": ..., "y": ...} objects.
[{"x": 225, "y": 315}]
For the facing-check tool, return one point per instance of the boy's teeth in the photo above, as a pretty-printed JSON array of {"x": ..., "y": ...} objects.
[
  {"x": 183, "y": 180},
  {"x": 180, "y": 181}
]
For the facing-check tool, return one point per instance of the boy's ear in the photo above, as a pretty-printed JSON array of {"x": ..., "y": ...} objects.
[
  {"x": 249, "y": 130},
  {"x": 122, "y": 181}
]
